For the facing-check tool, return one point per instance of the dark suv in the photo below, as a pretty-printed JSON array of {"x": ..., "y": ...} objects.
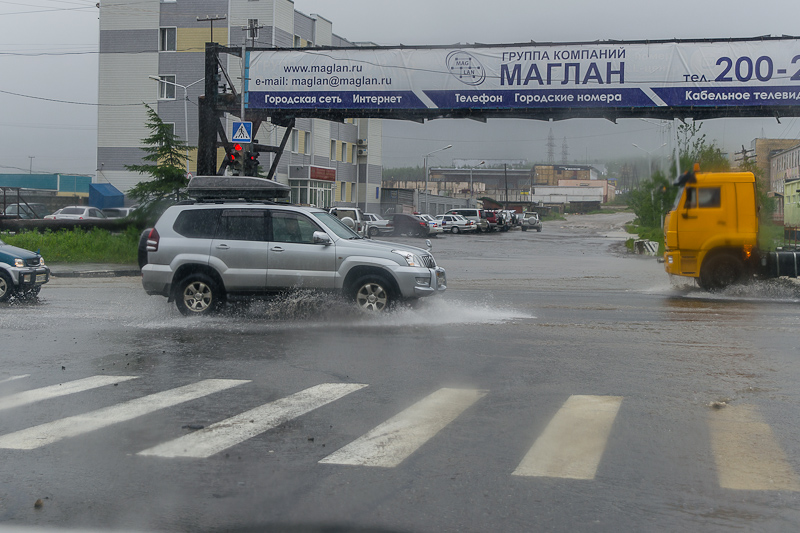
[
  {"x": 22, "y": 273},
  {"x": 198, "y": 254}
]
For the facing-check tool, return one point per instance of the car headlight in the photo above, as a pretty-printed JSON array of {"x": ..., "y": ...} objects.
[
  {"x": 41, "y": 261},
  {"x": 413, "y": 260},
  {"x": 19, "y": 263}
]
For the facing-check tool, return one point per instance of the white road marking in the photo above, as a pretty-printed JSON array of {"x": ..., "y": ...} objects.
[
  {"x": 62, "y": 389},
  {"x": 573, "y": 443},
  {"x": 222, "y": 435},
  {"x": 12, "y": 378},
  {"x": 747, "y": 453},
  {"x": 38, "y": 436},
  {"x": 392, "y": 442}
]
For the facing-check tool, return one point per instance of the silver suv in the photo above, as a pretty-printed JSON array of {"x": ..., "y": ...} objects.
[{"x": 199, "y": 254}]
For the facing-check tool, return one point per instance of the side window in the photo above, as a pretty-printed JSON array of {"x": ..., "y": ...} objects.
[
  {"x": 691, "y": 198},
  {"x": 242, "y": 225},
  {"x": 708, "y": 197},
  {"x": 292, "y": 227},
  {"x": 197, "y": 223}
]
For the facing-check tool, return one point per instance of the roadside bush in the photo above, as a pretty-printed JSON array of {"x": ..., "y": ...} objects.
[{"x": 79, "y": 246}]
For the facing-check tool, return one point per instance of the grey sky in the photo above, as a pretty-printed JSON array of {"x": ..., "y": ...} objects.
[{"x": 62, "y": 136}]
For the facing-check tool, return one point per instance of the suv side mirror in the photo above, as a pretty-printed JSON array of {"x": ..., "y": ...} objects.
[{"x": 320, "y": 237}]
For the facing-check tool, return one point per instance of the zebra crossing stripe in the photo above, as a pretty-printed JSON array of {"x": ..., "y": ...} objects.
[
  {"x": 573, "y": 443},
  {"x": 746, "y": 452},
  {"x": 62, "y": 389},
  {"x": 392, "y": 442},
  {"x": 12, "y": 378},
  {"x": 222, "y": 435},
  {"x": 38, "y": 436}
]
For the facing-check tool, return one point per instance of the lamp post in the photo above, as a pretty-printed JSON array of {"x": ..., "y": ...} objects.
[
  {"x": 470, "y": 180},
  {"x": 649, "y": 154},
  {"x": 425, "y": 166},
  {"x": 185, "y": 110}
]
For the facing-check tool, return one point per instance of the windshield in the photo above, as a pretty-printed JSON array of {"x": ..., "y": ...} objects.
[
  {"x": 678, "y": 199},
  {"x": 337, "y": 226}
]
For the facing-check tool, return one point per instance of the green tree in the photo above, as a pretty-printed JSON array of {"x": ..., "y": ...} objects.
[
  {"x": 652, "y": 200},
  {"x": 165, "y": 162},
  {"x": 694, "y": 148}
]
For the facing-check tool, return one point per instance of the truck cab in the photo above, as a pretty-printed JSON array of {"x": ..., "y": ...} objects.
[{"x": 711, "y": 232}]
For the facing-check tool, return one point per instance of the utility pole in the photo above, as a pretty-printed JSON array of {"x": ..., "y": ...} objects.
[
  {"x": 252, "y": 31},
  {"x": 745, "y": 155},
  {"x": 211, "y": 19},
  {"x": 30, "y": 169}
]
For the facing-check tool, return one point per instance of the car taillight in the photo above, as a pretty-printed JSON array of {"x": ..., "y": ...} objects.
[{"x": 153, "y": 239}]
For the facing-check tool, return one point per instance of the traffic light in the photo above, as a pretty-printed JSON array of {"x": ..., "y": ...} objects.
[
  {"x": 251, "y": 163},
  {"x": 235, "y": 160}
]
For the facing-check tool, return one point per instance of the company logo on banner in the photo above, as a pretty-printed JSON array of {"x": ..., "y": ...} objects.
[
  {"x": 465, "y": 68},
  {"x": 763, "y": 72}
]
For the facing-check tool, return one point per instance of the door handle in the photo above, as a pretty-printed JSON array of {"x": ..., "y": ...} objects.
[
  {"x": 223, "y": 247},
  {"x": 276, "y": 249}
]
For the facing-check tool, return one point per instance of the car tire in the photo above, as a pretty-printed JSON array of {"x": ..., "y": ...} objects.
[
  {"x": 524, "y": 228},
  {"x": 373, "y": 231},
  {"x": 197, "y": 295},
  {"x": 720, "y": 271},
  {"x": 372, "y": 293},
  {"x": 539, "y": 230},
  {"x": 6, "y": 287},
  {"x": 454, "y": 230}
]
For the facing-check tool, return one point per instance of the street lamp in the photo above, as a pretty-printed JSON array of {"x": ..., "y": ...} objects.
[
  {"x": 185, "y": 110},
  {"x": 425, "y": 166},
  {"x": 470, "y": 180},
  {"x": 649, "y": 154}
]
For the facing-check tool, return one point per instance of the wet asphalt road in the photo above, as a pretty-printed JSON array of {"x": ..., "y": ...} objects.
[{"x": 530, "y": 322}]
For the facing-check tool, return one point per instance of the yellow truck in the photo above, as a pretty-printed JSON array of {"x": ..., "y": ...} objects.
[{"x": 711, "y": 232}]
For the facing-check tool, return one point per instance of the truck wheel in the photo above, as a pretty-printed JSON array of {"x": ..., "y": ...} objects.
[
  {"x": 372, "y": 293},
  {"x": 539, "y": 229},
  {"x": 720, "y": 271},
  {"x": 198, "y": 294},
  {"x": 6, "y": 287},
  {"x": 524, "y": 228}
]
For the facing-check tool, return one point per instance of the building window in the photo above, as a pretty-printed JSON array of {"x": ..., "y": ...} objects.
[
  {"x": 306, "y": 141},
  {"x": 298, "y": 43},
  {"x": 295, "y": 141},
  {"x": 353, "y": 154},
  {"x": 169, "y": 37},
  {"x": 344, "y": 152},
  {"x": 166, "y": 88},
  {"x": 333, "y": 150},
  {"x": 252, "y": 28}
]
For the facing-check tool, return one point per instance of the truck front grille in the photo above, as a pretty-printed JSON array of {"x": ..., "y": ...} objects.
[{"x": 428, "y": 261}]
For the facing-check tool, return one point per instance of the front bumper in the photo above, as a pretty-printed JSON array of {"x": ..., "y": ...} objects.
[
  {"x": 436, "y": 283},
  {"x": 28, "y": 278}
]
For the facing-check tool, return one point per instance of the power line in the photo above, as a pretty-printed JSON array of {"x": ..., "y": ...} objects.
[{"x": 70, "y": 102}]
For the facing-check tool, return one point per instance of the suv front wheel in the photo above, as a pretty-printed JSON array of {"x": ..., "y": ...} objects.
[
  {"x": 372, "y": 293},
  {"x": 198, "y": 294}
]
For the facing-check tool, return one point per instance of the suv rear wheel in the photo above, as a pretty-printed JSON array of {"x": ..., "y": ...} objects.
[
  {"x": 198, "y": 294},
  {"x": 372, "y": 293}
]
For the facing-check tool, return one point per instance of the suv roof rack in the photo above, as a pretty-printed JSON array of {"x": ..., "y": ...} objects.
[{"x": 205, "y": 188}]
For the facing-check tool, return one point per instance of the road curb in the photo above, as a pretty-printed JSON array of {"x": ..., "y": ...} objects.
[{"x": 97, "y": 274}]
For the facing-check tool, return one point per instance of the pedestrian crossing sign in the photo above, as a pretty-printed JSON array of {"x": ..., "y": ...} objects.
[{"x": 243, "y": 132}]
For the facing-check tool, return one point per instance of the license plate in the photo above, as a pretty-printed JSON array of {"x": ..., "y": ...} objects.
[{"x": 41, "y": 278}]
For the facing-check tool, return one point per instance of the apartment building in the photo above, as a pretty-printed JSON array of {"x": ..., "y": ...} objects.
[{"x": 144, "y": 41}]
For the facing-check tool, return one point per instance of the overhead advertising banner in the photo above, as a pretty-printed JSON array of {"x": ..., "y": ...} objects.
[{"x": 516, "y": 77}]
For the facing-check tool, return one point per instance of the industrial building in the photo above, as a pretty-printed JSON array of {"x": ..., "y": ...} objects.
[{"x": 153, "y": 51}]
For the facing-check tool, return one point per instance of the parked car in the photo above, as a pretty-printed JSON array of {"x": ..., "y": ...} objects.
[
  {"x": 478, "y": 216},
  {"x": 118, "y": 212},
  {"x": 200, "y": 253},
  {"x": 434, "y": 226},
  {"x": 22, "y": 272},
  {"x": 530, "y": 220},
  {"x": 403, "y": 224},
  {"x": 456, "y": 223},
  {"x": 353, "y": 213},
  {"x": 27, "y": 211},
  {"x": 376, "y": 225},
  {"x": 80, "y": 212},
  {"x": 52, "y": 216}
]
